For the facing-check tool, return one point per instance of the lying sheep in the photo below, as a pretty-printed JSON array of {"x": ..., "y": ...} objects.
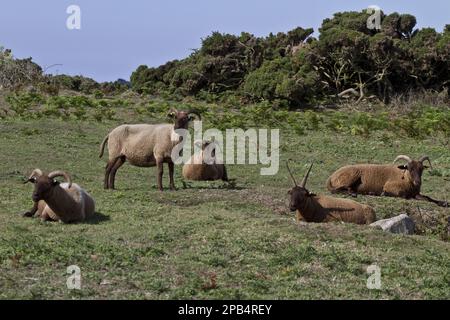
[
  {"x": 66, "y": 202},
  {"x": 382, "y": 180},
  {"x": 204, "y": 166},
  {"x": 144, "y": 145},
  {"x": 320, "y": 208}
]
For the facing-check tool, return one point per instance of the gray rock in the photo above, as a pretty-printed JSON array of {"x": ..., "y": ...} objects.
[{"x": 398, "y": 224}]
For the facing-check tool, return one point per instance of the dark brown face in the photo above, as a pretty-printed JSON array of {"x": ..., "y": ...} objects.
[
  {"x": 42, "y": 187},
  {"x": 415, "y": 169},
  {"x": 298, "y": 196},
  {"x": 210, "y": 154},
  {"x": 181, "y": 119}
]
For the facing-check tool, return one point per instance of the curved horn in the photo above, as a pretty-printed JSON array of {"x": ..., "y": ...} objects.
[
  {"x": 402, "y": 157},
  {"x": 35, "y": 172},
  {"x": 306, "y": 176},
  {"x": 60, "y": 173},
  {"x": 292, "y": 176},
  {"x": 423, "y": 158},
  {"x": 172, "y": 112},
  {"x": 193, "y": 111}
]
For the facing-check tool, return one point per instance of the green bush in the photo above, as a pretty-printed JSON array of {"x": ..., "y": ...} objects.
[
  {"x": 23, "y": 103},
  {"x": 296, "y": 69}
]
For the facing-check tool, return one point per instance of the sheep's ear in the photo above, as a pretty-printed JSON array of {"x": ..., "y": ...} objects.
[
  {"x": 32, "y": 180},
  {"x": 403, "y": 167},
  {"x": 425, "y": 167}
]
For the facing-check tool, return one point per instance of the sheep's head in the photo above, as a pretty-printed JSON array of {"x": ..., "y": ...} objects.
[
  {"x": 299, "y": 194},
  {"x": 43, "y": 183},
  {"x": 182, "y": 118},
  {"x": 414, "y": 167},
  {"x": 208, "y": 150}
]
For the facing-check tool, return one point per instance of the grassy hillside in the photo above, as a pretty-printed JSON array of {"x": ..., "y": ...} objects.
[{"x": 210, "y": 240}]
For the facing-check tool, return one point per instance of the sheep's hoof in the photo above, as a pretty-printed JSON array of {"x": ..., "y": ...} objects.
[{"x": 27, "y": 214}]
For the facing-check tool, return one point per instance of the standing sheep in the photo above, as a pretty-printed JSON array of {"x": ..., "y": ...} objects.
[
  {"x": 320, "y": 208},
  {"x": 203, "y": 166},
  {"x": 383, "y": 180},
  {"x": 144, "y": 145},
  {"x": 66, "y": 202}
]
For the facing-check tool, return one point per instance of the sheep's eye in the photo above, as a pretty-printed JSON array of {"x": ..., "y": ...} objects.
[{"x": 32, "y": 180}]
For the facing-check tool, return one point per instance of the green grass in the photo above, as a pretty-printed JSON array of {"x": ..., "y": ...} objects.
[{"x": 209, "y": 241}]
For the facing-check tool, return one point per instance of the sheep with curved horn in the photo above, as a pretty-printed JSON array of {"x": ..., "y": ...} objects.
[
  {"x": 66, "y": 202},
  {"x": 383, "y": 180},
  {"x": 321, "y": 208}
]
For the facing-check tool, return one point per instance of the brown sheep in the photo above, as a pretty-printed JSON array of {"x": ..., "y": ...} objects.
[
  {"x": 144, "y": 145},
  {"x": 320, "y": 208},
  {"x": 66, "y": 202},
  {"x": 383, "y": 180},
  {"x": 203, "y": 166}
]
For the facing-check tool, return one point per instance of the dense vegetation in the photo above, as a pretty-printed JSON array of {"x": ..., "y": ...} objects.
[
  {"x": 290, "y": 70},
  {"x": 298, "y": 69}
]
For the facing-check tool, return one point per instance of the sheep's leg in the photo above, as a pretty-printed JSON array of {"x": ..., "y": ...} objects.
[
  {"x": 171, "y": 172},
  {"x": 352, "y": 192},
  {"x": 45, "y": 216},
  {"x": 345, "y": 190},
  {"x": 112, "y": 176},
  {"x": 32, "y": 211},
  {"x": 393, "y": 189},
  {"x": 159, "y": 164},
  {"x": 107, "y": 173},
  {"x": 225, "y": 174},
  {"x": 426, "y": 198}
]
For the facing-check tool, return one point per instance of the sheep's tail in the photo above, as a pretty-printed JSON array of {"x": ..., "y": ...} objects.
[{"x": 102, "y": 146}]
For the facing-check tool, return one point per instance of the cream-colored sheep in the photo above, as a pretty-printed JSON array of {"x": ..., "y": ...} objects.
[
  {"x": 66, "y": 202},
  {"x": 320, "y": 208},
  {"x": 144, "y": 145},
  {"x": 203, "y": 166},
  {"x": 389, "y": 180}
]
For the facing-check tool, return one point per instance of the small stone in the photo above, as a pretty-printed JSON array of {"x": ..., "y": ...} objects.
[{"x": 398, "y": 224}]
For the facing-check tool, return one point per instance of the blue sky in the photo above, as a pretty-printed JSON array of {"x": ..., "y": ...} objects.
[{"x": 117, "y": 36}]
